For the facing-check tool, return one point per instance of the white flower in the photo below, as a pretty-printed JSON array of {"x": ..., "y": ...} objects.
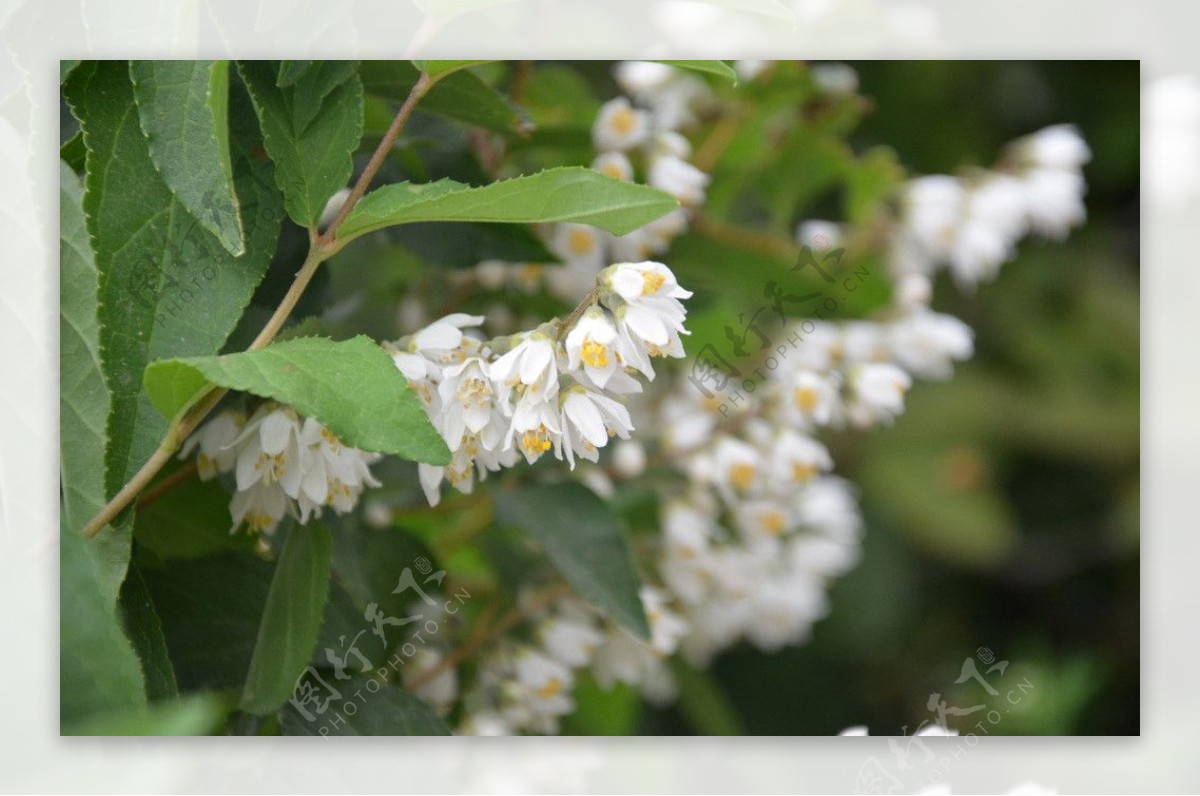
[
  {"x": 577, "y": 243},
  {"x": 666, "y": 626},
  {"x": 587, "y": 420},
  {"x": 827, "y": 505},
  {"x": 614, "y": 164},
  {"x": 591, "y": 345},
  {"x": 933, "y": 206},
  {"x": 818, "y": 234},
  {"x": 878, "y": 393},
  {"x": 528, "y": 367},
  {"x": 334, "y": 474},
  {"x": 811, "y": 398},
  {"x": 643, "y": 79},
  {"x": 466, "y": 395},
  {"x": 535, "y": 428},
  {"x": 543, "y": 684},
  {"x": 440, "y": 691},
  {"x": 762, "y": 521},
  {"x": 629, "y": 458},
  {"x": 679, "y": 178},
  {"x": 1055, "y": 201},
  {"x": 492, "y": 274},
  {"x": 747, "y": 69},
  {"x": 620, "y": 126},
  {"x": 444, "y": 334},
  {"x": 738, "y": 468},
  {"x": 261, "y": 506},
  {"x": 484, "y": 723},
  {"x": 216, "y": 442},
  {"x": 835, "y": 78},
  {"x": 269, "y": 450},
  {"x": 797, "y": 458},
  {"x": 570, "y": 640},
  {"x": 926, "y": 343},
  {"x": 650, "y": 321},
  {"x": 784, "y": 610},
  {"x": 1058, "y": 147}
]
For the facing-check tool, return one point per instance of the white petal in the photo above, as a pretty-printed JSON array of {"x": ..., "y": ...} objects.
[{"x": 275, "y": 431}]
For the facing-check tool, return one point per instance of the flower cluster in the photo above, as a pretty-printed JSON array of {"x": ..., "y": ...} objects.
[
  {"x": 972, "y": 223},
  {"x": 283, "y": 464},
  {"x": 636, "y": 135},
  {"x": 544, "y": 390},
  {"x": 527, "y": 686}
]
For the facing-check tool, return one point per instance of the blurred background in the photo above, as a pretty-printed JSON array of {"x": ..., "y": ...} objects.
[{"x": 1002, "y": 509}]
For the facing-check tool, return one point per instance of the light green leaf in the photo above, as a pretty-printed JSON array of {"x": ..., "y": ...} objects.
[
  {"x": 311, "y": 128},
  {"x": 353, "y": 387},
  {"x": 98, "y": 669},
  {"x": 565, "y": 194},
  {"x": 718, "y": 68},
  {"x": 583, "y": 539},
  {"x": 65, "y": 68},
  {"x": 461, "y": 95},
  {"x": 291, "y": 620},
  {"x": 183, "y": 107},
  {"x": 167, "y": 286},
  {"x": 704, "y": 704},
  {"x": 83, "y": 395},
  {"x": 442, "y": 68},
  {"x": 385, "y": 710},
  {"x": 195, "y": 715}
]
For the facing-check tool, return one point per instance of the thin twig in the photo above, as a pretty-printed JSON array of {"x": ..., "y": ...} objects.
[
  {"x": 184, "y": 473},
  {"x": 321, "y": 247}
]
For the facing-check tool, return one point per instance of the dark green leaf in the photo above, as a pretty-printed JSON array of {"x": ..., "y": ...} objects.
[
  {"x": 190, "y": 521},
  {"x": 145, "y": 631},
  {"x": 199, "y": 714},
  {"x": 167, "y": 286},
  {"x": 184, "y": 111},
  {"x": 563, "y": 194},
  {"x": 386, "y": 710},
  {"x": 291, "y": 620},
  {"x": 718, "y": 68},
  {"x": 291, "y": 71},
  {"x": 352, "y": 387},
  {"x": 704, "y": 704},
  {"x": 311, "y": 128},
  {"x": 583, "y": 539},
  {"x": 461, "y": 96},
  {"x": 210, "y": 609}
]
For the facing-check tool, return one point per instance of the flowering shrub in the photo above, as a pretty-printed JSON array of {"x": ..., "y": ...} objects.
[{"x": 585, "y": 514}]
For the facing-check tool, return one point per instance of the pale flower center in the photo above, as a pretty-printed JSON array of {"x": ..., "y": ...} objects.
[
  {"x": 651, "y": 282},
  {"x": 579, "y": 241},
  {"x": 742, "y": 475},
  {"x": 802, "y": 472},
  {"x": 773, "y": 522},
  {"x": 806, "y": 399},
  {"x": 594, "y": 354},
  {"x": 623, "y": 121},
  {"x": 535, "y": 441},
  {"x": 552, "y": 688}
]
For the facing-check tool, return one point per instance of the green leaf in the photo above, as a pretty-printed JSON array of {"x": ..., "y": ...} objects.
[
  {"x": 352, "y": 387},
  {"x": 602, "y": 711},
  {"x": 290, "y": 72},
  {"x": 196, "y": 715},
  {"x": 73, "y": 153},
  {"x": 385, "y": 711},
  {"x": 190, "y": 521},
  {"x": 98, "y": 669},
  {"x": 310, "y": 128},
  {"x": 65, "y": 68},
  {"x": 718, "y": 68},
  {"x": 210, "y": 610},
  {"x": 145, "y": 632},
  {"x": 167, "y": 286},
  {"x": 563, "y": 194},
  {"x": 441, "y": 68},
  {"x": 583, "y": 539},
  {"x": 704, "y": 704},
  {"x": 291, "y": 620},
  {"x": 83, "y": 395},
  {"x": 184, "y": 111},
  {"x": 462, "y": 96}
]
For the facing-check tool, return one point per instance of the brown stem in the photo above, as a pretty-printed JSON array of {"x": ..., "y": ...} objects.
[
  {"x": 480, "y": 639},
  {"x": 184, "y": 473},
  {"x": 584, "y": 303},
  {"x": 320, "y": 248},
  {"x": 419, "y": 90}
]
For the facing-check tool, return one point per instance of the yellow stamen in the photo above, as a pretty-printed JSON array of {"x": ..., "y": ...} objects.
[
  {"x": 806, "y": 399},
  {"x": 803, "y": 472},
  {"x": 594, "y": 354},
  {"x": 551, "y": 689},
  {"x": 651, "y": 282},
  {"x": 579, "y": 241},
  {"x": 773, "y": 522},
  {"x": 742, "y": 475},
  {"x": 623, "y": 121}
]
